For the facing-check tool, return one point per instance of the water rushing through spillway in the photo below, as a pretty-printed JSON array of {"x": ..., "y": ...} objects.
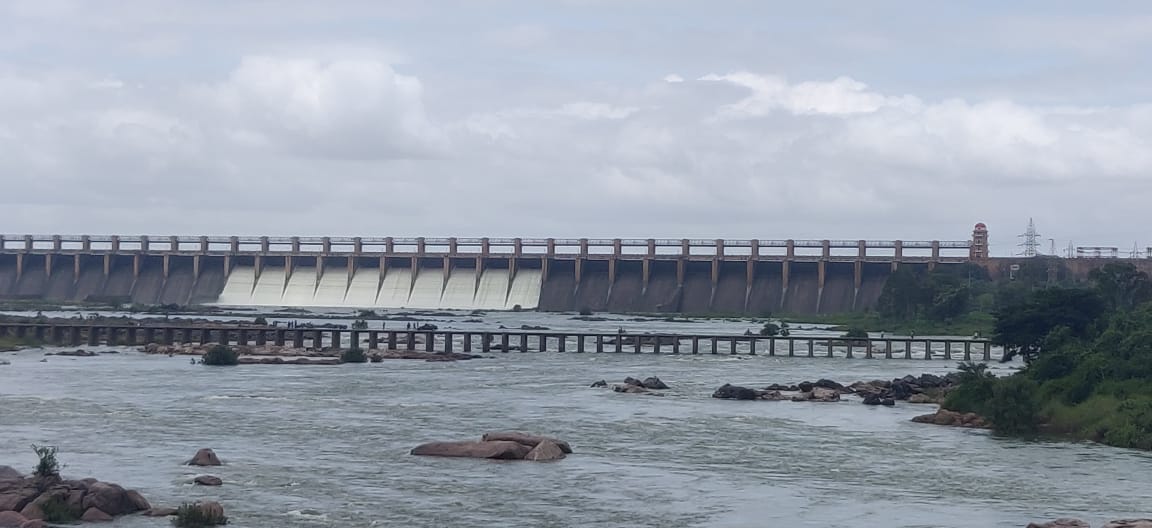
[
  {"x": 328, "y": 446},
  {"x": 430, "y": 288}
]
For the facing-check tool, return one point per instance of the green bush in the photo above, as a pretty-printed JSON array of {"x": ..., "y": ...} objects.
[
  {"x": 1131, "y": 426},
  {"x": 770, "y": 330},
  {"x": 56, "y": 510},
  {"x": 855, "y": 333},
  {"x": 353, "y": 355},
  {"x": 191, "y": 515},
  {"x": 585, "y": 311},
  {"x": 221, "y": 355},
  {"x": 47, "y": 466},
  {"x": 1013, "y": 409}
]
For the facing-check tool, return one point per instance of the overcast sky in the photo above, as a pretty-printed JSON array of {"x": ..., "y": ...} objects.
[{"x": 616, "y": 118}]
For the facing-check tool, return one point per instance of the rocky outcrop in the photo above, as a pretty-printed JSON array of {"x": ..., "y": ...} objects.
[
  {"x": 207, "y": 480},
  {"x": 875, "y": 399},
  {"x": 9, "y": 473},
  {"x": 159, "y": 512},
  {"x": 26, "y": 499},
  {"x": 415, "y": 354},
  {"x": 529, "y": 440},
  {"x": 545, "y": 451},
  {"x": 635, "y": 386},
  {"x": 501, "y": 450},
  {"x": 281, "y": 361},
  {"x": 504, "y": 445},
  {"x": 1129, "y": 523},
  {"x": 955, "y": 419},
  {"x": 11, "y": 519},
  {"x": 204, "y": 457},
  {"x": 735, "y": 392},
  {"x": 818, "y": 394},
  {"x": 1061, "y": 523},
  {"x": 73, "y": 353}
]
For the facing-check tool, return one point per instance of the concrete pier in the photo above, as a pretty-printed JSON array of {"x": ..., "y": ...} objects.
[{"x": 444, "y": 341}]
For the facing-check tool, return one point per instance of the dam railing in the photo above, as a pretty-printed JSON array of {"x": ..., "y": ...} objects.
[{"x": 504, "y": 341}]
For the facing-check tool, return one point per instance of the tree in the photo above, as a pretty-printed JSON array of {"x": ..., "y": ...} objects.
[
  {"x": 770, "y": 330},
  {"x": 1022, "y": 328},
  {"x": 1121, "y": 285}
]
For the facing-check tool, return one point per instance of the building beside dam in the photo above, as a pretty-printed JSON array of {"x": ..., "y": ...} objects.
[{"x": 623, "y": 275}]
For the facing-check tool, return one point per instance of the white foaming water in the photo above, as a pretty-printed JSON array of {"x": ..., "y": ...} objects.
[
  {"x": 269, "y": 288},
  {"x": 493, "y": 291},
  {"x": 363, "y": 289},
  {"x": 460, "y": 291},
  {"x": 395, "y": 289},
  {"x": 525, "y": 290},
  {"x": 332, "y": 288},
  {"x": 238, "y": 288},
  {"x": 301, "y": 289},
  {"x": 427, "y": 289}
]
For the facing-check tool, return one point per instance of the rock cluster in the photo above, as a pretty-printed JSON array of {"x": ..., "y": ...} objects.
[
  {"x": 505, "y": 445},
  {"x": 635, "y": 386},
  {"x": 928, "y": 388},
  {"x": 23, "y": 500},
  {"x": 955, "y": 419},
  {"x": 803, "y": 392},
  {"x": 73, "y": 353},
  {"x": 286, "y": 355},
  {"x": 1077, "y": 523}
]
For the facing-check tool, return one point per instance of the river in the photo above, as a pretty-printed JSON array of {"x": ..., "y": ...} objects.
[{"x": 319, "y": 446}]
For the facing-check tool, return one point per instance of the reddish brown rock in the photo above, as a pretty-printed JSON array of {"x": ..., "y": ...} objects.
[
  {"x": 213, "y": 510},
  {"x": 10, "y": 473},
  {"x": 952, "y": 418},
  {"x": 159, "y": 512},
  {"x": 204, "y": 457},
  {"x": 544, "y": 451},
  {"x": 16, "y": 498},
  {"x": 208, "y": 480},
  {"x": 1129, "y": 523},
  {"x": 1061, "y": 523},
  {"x": 503, "y": 450},
  {"x": 11, "y": 519},
  {"x": 137, "y": 501},
  {"x": 529, "y": 440},
  {"x": 95, "y": 515},
  {"x": 34, "y": 523}
]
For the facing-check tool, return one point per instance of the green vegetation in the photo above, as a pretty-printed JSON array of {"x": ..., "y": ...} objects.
[
  {"x": 56, "y": 510},
  {"x": 193, "y": 515},
  {"x": 855, "y": 333},
  {"x": 353, "y": 355},
  {"x": 12, "y": 344},
  {"x": 221, "y": 355},
  {"x": 47, "y": 466},
  {"x": 771, "y": 329},
  {"x": 1088, "y": 363}
]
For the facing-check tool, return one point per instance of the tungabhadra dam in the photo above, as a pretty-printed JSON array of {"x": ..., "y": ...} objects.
[{"x": 623, "y": 275}]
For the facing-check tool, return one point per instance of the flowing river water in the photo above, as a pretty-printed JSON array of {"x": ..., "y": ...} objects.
[{"x": 319, "y": 446}]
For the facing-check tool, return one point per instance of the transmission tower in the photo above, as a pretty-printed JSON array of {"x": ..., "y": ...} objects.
[{"x": 1030, "y": 240}]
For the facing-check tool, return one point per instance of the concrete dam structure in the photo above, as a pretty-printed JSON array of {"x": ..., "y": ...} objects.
[{"x": 619, "y": 275}]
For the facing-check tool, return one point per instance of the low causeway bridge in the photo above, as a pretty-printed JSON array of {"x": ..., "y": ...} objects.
[{"x": 447, "y": 341}]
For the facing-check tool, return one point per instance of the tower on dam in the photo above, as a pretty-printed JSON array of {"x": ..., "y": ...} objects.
[{"x": 622, "y": 275}]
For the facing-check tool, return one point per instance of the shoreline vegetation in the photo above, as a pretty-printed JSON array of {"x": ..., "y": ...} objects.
[{"x": 1088, "y": 364}]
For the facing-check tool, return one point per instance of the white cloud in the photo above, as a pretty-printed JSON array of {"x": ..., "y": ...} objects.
[
  {"x": 673, "y": 78},
  {"x": 842, "y": 96},
  {"x": 358, "y": 109}
]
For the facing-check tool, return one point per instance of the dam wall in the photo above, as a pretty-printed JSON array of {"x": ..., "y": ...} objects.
[{"x": 682, "y": 276}]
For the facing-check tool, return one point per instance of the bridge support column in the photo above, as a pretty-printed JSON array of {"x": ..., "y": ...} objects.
[
  {"x": 542, "y": 342},
  {"x": 374, "y": 340},
  {"x": 562, "y": 343},
  {"x": 93, "y": 336},
  {"x": 336, "y": 339},
  {"x": 318, "y": 339},
  {"x": 298, "y": 338},
  {"x": 695, "y": 345}
]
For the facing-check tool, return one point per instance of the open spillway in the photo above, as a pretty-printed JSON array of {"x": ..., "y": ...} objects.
[{"x": 697, "y": 286}]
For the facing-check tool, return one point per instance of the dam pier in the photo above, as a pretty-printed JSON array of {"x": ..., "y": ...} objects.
[
  {"x": 448, "y": 341},
  {"x": 620, "y": 275}
]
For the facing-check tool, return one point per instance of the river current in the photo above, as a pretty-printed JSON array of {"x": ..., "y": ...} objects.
[{"x": 320, "y": 446}]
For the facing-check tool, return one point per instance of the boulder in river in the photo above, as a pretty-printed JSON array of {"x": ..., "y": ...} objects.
[
  {"x": 735, "y": 392},
  {"x": 204, "y": 457},
  {"x": 545, "y": 451},
  {"x": 502, "y": 450},
  {"x": 27, "y": 498},
  {"x": 955, "y": 419},
  {"x": 1061, "y": 523},
  {"x": 207, "y": 480},
  {"x": 600, "y": 384},
  {"x": 654, "y": 383},
  {"x": 529, "y": 440},
  {"x": 11, "y": 519},
  {"x": 1129, "y": 523}
]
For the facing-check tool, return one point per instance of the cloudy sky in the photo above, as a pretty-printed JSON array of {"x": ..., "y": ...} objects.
[{"x": 631, "y": 118}]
